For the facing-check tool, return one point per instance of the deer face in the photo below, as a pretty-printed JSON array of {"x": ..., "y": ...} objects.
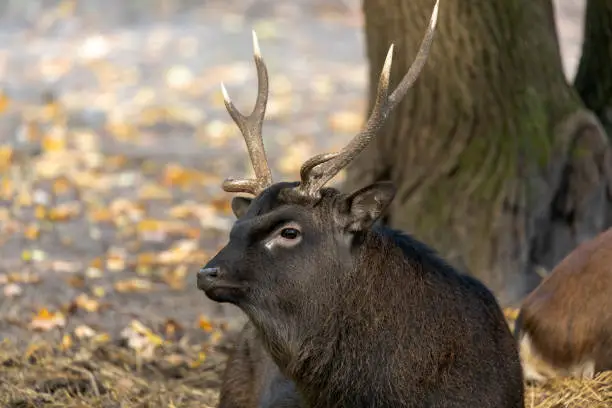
[{"x": 283, "y": 251}]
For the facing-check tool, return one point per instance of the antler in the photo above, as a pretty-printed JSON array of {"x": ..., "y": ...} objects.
[
  {"x": 318, "y": 170},
  {"x": 250, "y": 127}
]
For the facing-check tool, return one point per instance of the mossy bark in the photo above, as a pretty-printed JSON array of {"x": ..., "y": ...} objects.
[
  {"x": 594, "y": 77},
  {"x": 481, "y": 147}
]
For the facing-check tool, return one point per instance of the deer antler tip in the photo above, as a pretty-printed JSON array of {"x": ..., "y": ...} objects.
[
  {"x": 224, "y": 92},
  {"x": 256, "y": 49},
  {"x": 386, "y": 71},
  {"x": 434, "y": 14}
]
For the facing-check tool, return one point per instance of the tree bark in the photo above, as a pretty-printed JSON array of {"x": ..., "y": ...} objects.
[
  {"x": 594, "y": 77},
  {"x": 484, "y": 148}
]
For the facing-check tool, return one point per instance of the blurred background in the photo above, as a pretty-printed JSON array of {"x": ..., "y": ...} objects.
[{"x": 114, "y": 141}]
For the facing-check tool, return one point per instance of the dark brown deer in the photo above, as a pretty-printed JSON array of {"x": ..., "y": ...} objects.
[
  {"x": 564, "y": 327},
  {"x": 355, "y": 315}
]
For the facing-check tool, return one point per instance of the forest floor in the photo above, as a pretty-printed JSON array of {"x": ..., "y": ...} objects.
[{"x": 113, "y": 143}]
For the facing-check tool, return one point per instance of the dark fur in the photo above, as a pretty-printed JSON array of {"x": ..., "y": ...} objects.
[
  {"x": 569, "y": 315},
  {"x": 363, "y": 316},
  {"x": 252, "y": 379}
]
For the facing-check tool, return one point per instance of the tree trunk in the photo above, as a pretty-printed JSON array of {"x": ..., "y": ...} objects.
[
  {"x": 496, "y": 161},
  {"x": 594, "y": 77}
]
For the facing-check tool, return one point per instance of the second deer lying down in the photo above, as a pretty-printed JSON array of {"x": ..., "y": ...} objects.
[
  {"x": 564, "y": 327},
  {"x": 353, "y": 314}
]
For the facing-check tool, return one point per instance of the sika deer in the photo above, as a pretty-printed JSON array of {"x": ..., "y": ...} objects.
[
  {"x": 356, "y": 315},
  {"x": 564, "y": 327}
]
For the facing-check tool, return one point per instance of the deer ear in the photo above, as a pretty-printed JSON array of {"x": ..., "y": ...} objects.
[
  {"x": 240, "y": 205},
  {"x": 363, "y": 207}
]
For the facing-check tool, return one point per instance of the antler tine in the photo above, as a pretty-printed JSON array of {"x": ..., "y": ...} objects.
[
  {"x": 315, "y": 176},
  {"x": 251, "y": 126}
]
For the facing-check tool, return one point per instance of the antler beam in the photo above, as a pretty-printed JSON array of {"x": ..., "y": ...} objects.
[
  {"x": 318, "y": 170},
  {"x": 251, "y": 127}
]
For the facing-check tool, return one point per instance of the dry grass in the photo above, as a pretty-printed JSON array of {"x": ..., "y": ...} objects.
[
  {"x": 111, "y": 375},
  {"x": 106, "y": 376},
  {"x": 572, "y": 393}
]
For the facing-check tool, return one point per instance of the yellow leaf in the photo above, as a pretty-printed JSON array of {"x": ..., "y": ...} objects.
[
  {"x": 140, "y": 328},
  {"x": 65, "y": 211},
  {"x": 26, "y": 255},
  {"x": 175, "y": 278},
  {"x": 61, "y": 186},
  {"x": 53, "y": 143},
  {"x": 4, "y": 101},
  {"x": 152, "y": 191},
  {"x": 33, "y": 348},
  {"x": 133, "y": 285},
  {"x": 216, "y": 337},
  {"x": 32, "y": 232},
  {"x": 115, "y": 263},
  {"x": 24, "y": 198},
  {"x": 40, "y": 212},
  {"x": 101, "y": 215},
  {"x": 511, "y": 313},
  {"x": 46, "y": 320},
  {"x": 146, "y": 259},
  {"x": 101, "y": 338},
  {"x": 205, "y": 324},
  {"x": 66, "y": 342},
  {"x": 196, "y": 363},
  {"x": 6, "y": 157},
  {"x": 98, "y": 291},
  {"x": 86, "y": 303}
]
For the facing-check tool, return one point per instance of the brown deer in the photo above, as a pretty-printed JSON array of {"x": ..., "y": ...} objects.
[
  {"x": 353, "y": 314},
  {"x": 564, "y": 327}
]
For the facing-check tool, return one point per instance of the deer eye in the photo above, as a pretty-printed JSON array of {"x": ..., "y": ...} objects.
[{"x": 290, "y": 233}]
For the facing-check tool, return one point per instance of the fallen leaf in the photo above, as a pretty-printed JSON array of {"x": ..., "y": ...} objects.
[
  {"x": 4, "y": 101},
  {"x": 115, "y": 262},
  {"x": 54, "y": 141},
  {"x": 23, "y": 277},
  {"x": 101, "y": 215},
  {"x": 76, "y": 281},
  {"x": 46, "y": 320},
  {"x": 66, "y": 342},
  {"x": 65, "y": 212},
  {"x": 65, "y": 266},
  {"x": 133, "y": 285},
  {"x": 98, "y": 291},
  {"x": 175, "y": 278},
  {"x": 84, "y": 332},
  {"x": 141, "y": 339},
  {"x": 198, "y": 362},
  {"x": 204, "y": 324},
  {"x": 86, "y": 303},
  {"x": 32, "y": 232},
  {"x": 12, "y": 290},
  {"x": 175, "y": 359},
  {"x": 151, "y": 191}
]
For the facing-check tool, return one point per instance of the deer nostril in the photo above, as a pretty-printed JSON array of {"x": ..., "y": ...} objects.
[{"x": 209, "y": 272}]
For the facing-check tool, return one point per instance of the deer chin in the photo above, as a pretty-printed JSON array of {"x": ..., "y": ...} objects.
[{"x": 223, "y": 292}]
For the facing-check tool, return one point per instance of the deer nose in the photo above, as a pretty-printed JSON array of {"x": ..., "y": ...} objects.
[
  {"x": 206, "y": 277},
  {"x": 209, "y": 272}
]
